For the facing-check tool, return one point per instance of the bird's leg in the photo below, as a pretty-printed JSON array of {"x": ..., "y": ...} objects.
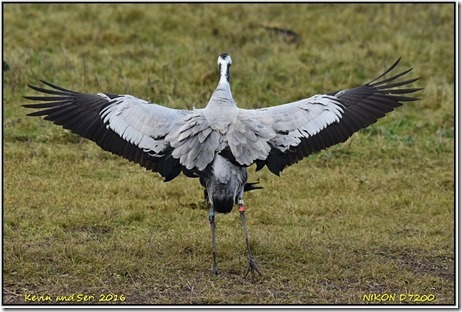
[
  {"x": 212, "y": 227},
  {"x": 252, "y": 264}
]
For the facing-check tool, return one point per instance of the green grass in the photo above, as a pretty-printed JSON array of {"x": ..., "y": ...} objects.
[{"x": 372, "y": 215}]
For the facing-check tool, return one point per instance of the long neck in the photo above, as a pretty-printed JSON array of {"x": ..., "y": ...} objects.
[
  {"x": 222, "y": 93},
  {"x": 222, "y": 96},
  {"x": 223, "y": 71}
]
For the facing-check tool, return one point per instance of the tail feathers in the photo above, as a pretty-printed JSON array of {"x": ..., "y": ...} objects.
[
  {"x": 252, "y": 186},
  {"x": 222, "y": 203},
  {"x": 247, "y": 187}
]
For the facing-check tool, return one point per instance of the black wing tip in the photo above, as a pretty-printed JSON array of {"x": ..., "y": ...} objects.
[
  {"x": 33, "y": 87},
  {"x": 400, "y": 91},
  {"x": 51, "y": 85},
  {"x": 28, "y": 105},
  {"x": 42, "y": 81},
  {"x": 54, "y": 91},
  {"x": 249, "y": 186},
  {"x": 35, "y": 114},
  {"x": 387, "y": 71},
  {"x": 47, "y": 83},
  {"x": 391, "y": 68},
  {"x": 395, "y": 64},
  {"x": 390, "y": 85}
]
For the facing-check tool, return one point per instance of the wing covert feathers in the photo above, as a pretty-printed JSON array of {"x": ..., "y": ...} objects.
[{"x": 360, "y": 107}]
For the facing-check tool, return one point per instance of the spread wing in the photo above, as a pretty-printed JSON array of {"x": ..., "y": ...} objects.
[
  {"x": 310, "y": 125},
  {"x": 171, "y": 141},
  {"x": 122, "y": 124}
]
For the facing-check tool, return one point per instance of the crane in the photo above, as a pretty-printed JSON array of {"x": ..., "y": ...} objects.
[{"x": 217, "y": 143}]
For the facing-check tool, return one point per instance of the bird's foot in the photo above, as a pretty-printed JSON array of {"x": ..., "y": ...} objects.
[
  {"x": 215, "y": 271},
  {"x": 252, "y": 268}
]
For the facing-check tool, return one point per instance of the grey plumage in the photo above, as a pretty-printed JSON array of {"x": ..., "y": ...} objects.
[
  {"x": 224, "y": 183},
  {"x": 218, "y": 142}
]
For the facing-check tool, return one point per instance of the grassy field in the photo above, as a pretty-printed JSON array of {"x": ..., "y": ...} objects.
[{"x": 374, "y": 215}]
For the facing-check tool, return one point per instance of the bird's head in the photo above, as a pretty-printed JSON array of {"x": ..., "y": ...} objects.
[
  {"x": 224, "y": 62},
  {"x": 224, "y": 59}
]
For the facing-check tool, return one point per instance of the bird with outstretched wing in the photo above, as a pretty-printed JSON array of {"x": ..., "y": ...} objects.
[{"x": 217, "y": 143}]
